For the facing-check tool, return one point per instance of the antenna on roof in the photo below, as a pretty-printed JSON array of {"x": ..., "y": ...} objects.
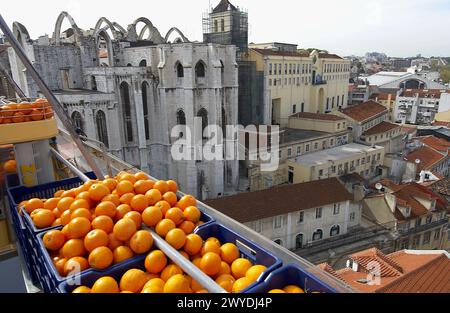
[{"x": 417, "y": 161}]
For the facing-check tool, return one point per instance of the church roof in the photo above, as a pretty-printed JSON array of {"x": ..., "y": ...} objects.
[{"x": 224, "y": 6}]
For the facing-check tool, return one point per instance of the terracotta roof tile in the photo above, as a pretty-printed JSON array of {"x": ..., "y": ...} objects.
[
  {"x": 364, "y": 111},
  {"x": 329, "y": 56},
  {"x": 436, "y": 93},
  {"x": 383, "y": 127},
  {"x": 281, "y": 53},
  {"x": 438, "y": 144},
  {"x": 318, "y": 116},
  {"x": 383, "y": 96},
  {"x": 428, "y": 158},
  {"x": 252, "y": 206}
]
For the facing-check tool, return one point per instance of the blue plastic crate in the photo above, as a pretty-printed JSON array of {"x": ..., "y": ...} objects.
[
  {"x": 248, "y": 249},
  {"x": 12, "y": 180},
  {"x": 88, "y": 278},
  {"x": 292, "y": 275}
]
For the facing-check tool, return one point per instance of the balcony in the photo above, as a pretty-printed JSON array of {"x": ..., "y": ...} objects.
[
  {"x": 319, "y": 81},
  {"x": 422, "y": 228}
]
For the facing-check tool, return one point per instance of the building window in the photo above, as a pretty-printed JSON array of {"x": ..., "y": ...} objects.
[
  {"x": 318, "y": 213},
  {"x": 318, "y": 235},
  {"x": 200, "y": 70},
  {"x": 270, "y": 69},
  {"x": 299, "y": 150},
  {"x": 331, "y": 142},
  {"x": 418, "y": 222},
  {"x": 379, "y": 156},
  {"x": 437, "y": 234},
  {"x": 299, "y": 241},
  {"x": 429, "y": 219},
  {"x": 301, "y": 217},
  {"x": 320, "y": 173},
  {"x": 277, "y": 222},
  {"x": 333, "y": 169},
  {"x": 285, "y": 69},
  {"x": 336, "y": 208},
  {"x": 257, "y": 226},
  {"x": 145, "y": 109},
  {"x": 216, "y": 26},
  {"x": 339, "y": 126},
  {"x": 222, "y": 25},
  {"x": 357, "y": 162},
  {"x": 352, "y": 216},
  {"x": 125, "y": 97},
  {"x": 204, "y": 115},
  {"x": 181, "y": 120},
  {"x": 307, "y": 148},
  {"x": 270, "y": 82},
  {"x": 404, "y": 245},
  {"x": 289, "y": 152},
  {"x": 416, "y": 241},
  {"x": 316, "y": 146},
  {"x": 180, "y": 70},
  {"x": 334, "y": 231},
  {"x": 426, "y": 237},
  {"x": 102, "y": 130},
  {"x": 363, "y": 161},
  {"x": 303, "y": 107},
  {"x": 278, "y": 242},
  {"x": 279, "y": 69},
  {"x": 78, "y": 120}
]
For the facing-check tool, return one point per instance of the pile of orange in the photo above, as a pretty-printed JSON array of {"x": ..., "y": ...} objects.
[
  {"x": 288, "y": 289},
  {"x": 25, "y": 112}
]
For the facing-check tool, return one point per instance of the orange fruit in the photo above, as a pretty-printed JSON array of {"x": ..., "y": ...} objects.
[
  {"x": 98, "y": 191},
  {"x": 104, "y": 223},
  {"x": 177, "y": 284},
  {"x": 151, "y": 216},
  {"x": 68, "y": 194},
  {"x": 276, "y": 291},
  {"x": 114, "y": 242},
  {"x": 121, "y": 210},
  {"x": 254, "y": 272},
  {"x": 229, "y": 252},
  {"x": 215, "y": 240},
  {"x": 187, "y": 227},
  {"x": 133, "y": 280},
  {"x": 96, "y": 238},
  {"x": 24, "y": 107},
  {"x": 141, "y": 242},
  {"x": 124, "y": 187},
  {"x": 112, "y": 198},
  {"x": 169, "y": 271},
  {"x": 139, "y": 203},
  {"x": 171, "y": 198},
  {"x": 73, "y": 248},
  {"x": 195, "y": 286},
  {"x": 210, "y": 263},
  {"x": 10, "y": 166},
  {"x": 142, "y": 186},
  {"x": 105, "y": 284},
  {"x": 164, "y": 206},
  {"x": 110, "y": 183},
  {"x": 162, "y": 186},
  {"x": 84, "y": 195},
  {"x": 210, "y": 246},
  {"x": 65, "y": 203},
  {"x": 239, "y": 267},
  {"x": 57, "y": 222},
  {"x": 34, "y": 204},
  {"x": 172, "y": 185},
  {"x": 54, "y": 240},
  {"x": 136, "y": 217},
  {"x": 43, "y": 219},
  {"x": 56, "y": 212},
  {"x": 124, "y": 229},
  {"x": 122, "y": 253},
  {"x": 128, "y": 177},
  {"x": 81, "y": 213},
  {"x": 51, "y": 203},
  {"x": 82, "y": 289},
  {"x": 176, "y": 215},
  {"x": 164, "y": 226},
  {"x": 226, "y": 281},
  {"x": 186, "y": 201},
  {"x": 100, "y": 258},
  {"x": 293, "y": 289},
  {"x": 126, "y": 198},
  {"x": 79, "y": 227},
  {"x": 141, "y": 176},
  {"x": 176, "y": 238},
  {"x": 224, "y": 269},
  {"x": 196, "y": 261},
  {"x": 59, "y": 265},
  {"x": 154, "y": 285},
  {"x": 106, "y": 208},
  {"x": 153, "y": 196},
  {"x": 192, "y": 214},
  {"x": 79, "y": 204},
  {"x": 65, "y": 217},
  {"x": 240, "y": 284},
  {"x": 75, "y": 265},
  {"x": 155, "y": 262},
  {"x": 193, "y": 244},
  {"x": 18, "y": 117}
]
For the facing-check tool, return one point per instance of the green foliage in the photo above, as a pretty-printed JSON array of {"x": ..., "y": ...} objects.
[{"x": 445, "y": 73}]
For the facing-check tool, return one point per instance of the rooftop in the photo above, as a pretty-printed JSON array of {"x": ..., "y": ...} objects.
[
  {"x": 422, "y": 93},
  {"x": 224, "y": 6},
  {"x": 364, "y": 111},
  {"x": 335, "y": 154},
  {"x": 428, "y": 158},
  {"x": 318, "y": 116},
  {"x": 403, "y": 271},
  {"x": 252, "y": 206},
  {"x": 288, "y": 135},
  {"x": 383, "y": 127},
  {"x": 384, "y": 96},
  {"x": 383, "y": 78},
  {"x": 437, "y": 144},
  {"x": 329, "y": 56},
  {"x": 281, "y": 53}
]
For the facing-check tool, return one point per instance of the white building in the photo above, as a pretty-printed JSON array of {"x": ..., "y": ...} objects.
[
  {"x": 295, "y": 216},
  {"x": 131, "y": 97},
  {"x": 419, "y": 106}
]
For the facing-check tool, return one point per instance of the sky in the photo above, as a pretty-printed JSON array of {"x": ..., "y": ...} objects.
[{"x": 347, "y": 27}]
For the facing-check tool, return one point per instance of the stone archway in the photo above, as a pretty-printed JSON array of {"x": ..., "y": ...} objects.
[
  {"x": 117, "y": 34},
  {"x": 154, "y": 36},
  {"x": 57, "y": 33},
  {"x": 102, "y": 33},
  {"x": 180, "y": 34},
  {"x": 21, "y": 33}
]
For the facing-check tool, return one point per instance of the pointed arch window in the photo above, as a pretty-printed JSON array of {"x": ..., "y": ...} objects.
[
  {"x": 180, "y": 70},
  {"x": 145, "y": 88},
  {"x": 78, "y": 120},
  {"x": 200, "y": 70},
  {"x": 102, "y": 129},
  {"x": 204, "y": 115},
  {"x": 126, "y": 105}
]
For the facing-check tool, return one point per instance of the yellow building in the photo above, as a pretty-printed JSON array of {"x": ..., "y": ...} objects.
[
  {"x": 298, "y": 81},
  {"x": 387, "y": 100},
  {"x": 335, "y": 162}
]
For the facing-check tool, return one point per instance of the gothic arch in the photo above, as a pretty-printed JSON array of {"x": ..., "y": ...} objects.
[
  {"x": 21, "y": 33},
  {"x": 57, "y": 34},
  {"x": 120, "y": 28},
  {"x": 180, "y": 34},
  {"x": 110, "y": 25},
  {"x": 104, "y": 34},
  {"x": 155, "y": 35}
]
